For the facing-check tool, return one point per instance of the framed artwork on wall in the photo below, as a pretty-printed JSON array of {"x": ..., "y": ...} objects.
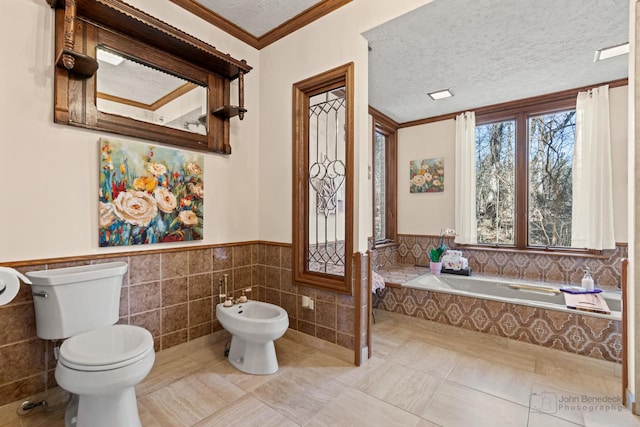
[
  {"x": 426, "y": 176},
  {"x": 149, "y": 194}
]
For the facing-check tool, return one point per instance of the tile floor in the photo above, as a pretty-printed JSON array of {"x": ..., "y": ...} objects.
[{"x": 421, "y": 374}]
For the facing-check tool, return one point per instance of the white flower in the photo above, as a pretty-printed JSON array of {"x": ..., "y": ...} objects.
[
  {"x": 188, "y": 218},
  {"x": 193, "y": 169},
  {"x": 167, "y": 202},
  {"x": 135, "y": 207},
  {"x": 106, "y": 215},
  {"x": 197, "y": 189},
  {"x": 157, "y": 169},
  {"x": 418, "y": 180}
]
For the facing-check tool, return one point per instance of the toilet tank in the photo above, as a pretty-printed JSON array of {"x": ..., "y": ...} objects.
[{"x": 72, "y": 300}]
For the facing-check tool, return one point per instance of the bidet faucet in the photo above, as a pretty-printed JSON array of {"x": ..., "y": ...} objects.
[{"x": 222, "y": 295}]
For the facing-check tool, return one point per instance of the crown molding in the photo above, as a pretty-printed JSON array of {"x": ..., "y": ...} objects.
[{"x": 308, "y": 16}]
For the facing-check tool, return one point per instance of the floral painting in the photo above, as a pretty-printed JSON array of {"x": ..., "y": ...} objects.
[
  {"x": 426, "y": 176},
  {"x": 149, "y": 194}
]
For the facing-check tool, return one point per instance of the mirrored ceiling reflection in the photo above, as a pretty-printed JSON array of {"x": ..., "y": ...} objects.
[
  {"x": 488, "y": 52},
  {"x": 131, "y": 89}
]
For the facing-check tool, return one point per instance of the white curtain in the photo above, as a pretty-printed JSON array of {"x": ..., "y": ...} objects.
[
  {"x": 465, "y": 194},
  {"x": 592, "y": 211}
]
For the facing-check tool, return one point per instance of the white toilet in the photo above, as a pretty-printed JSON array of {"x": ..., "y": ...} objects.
[
  {"x": 101, "y": 362},
  {"x": 253, "y": 326}
]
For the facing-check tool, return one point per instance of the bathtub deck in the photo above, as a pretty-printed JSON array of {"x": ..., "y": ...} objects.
[{"x": 400, "y": 273}]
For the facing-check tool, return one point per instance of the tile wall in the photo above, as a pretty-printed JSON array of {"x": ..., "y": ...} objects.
[
  {"x": 606, "y": 271},
  {"x": 586, "y": 335},
  {"x": 173, "y": 294},
  {"x": 591, "y": 336}
]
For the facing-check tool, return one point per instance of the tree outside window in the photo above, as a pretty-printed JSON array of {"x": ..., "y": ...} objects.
[{"x": 523, "y": 179}]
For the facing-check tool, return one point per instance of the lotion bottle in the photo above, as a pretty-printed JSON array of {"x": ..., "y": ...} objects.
[{"x": 587, "y": 281}]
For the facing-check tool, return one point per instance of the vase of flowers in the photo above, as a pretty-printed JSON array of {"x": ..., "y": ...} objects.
[{"x": 435, "y": 256}]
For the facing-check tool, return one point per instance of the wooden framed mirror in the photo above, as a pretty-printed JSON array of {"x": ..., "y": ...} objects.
[{"x": 123, "y": 71}]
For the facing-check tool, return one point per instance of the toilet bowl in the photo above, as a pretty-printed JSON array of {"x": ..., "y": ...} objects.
[
  {"x": 103, "y": 366},
  {"x": 99, "y": 362},
  {"x": 253, "y": 326}
]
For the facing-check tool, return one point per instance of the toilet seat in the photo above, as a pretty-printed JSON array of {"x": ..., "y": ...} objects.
[{"x": 107, "y": 348}]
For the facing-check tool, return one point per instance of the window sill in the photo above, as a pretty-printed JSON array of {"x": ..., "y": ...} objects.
[
  {"x": 603, "y": 255},
  {"x": 385, "y": 244}
]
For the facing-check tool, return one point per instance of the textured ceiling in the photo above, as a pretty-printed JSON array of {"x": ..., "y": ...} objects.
[
  {"x": 258, "y": 17},
  {"x": 491, "y": 51}
]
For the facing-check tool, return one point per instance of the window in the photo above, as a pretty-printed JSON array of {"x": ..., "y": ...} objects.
[
  {"x": 384, "y": 178},
  {"x": 523, "y": 176},
  {"x": 323, "y": 180}
]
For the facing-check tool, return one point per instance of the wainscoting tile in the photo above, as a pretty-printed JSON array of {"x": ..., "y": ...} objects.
[
  {"x": 200, "y": 261},
  {"x": 175, "y": 291},
  {"x": 144, "y": 268}
]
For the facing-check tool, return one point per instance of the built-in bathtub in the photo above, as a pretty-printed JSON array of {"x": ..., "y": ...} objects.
[
  {"x": 514, "y": 292},
  {"x": 491, "y": 305}
]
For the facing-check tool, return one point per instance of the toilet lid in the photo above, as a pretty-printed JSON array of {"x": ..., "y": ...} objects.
[{"x": 106, "y": 348}]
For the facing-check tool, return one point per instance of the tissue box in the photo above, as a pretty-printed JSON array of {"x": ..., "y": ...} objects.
[{"x": 453, "y": 260}]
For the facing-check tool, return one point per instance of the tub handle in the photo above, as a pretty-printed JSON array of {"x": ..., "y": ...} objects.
[{"x": 42, "y": 294}]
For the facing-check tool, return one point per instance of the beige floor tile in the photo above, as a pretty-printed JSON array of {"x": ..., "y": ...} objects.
[
  {"x": 610, "y": 415},
  {"x": 246, "y": 412},
  {"x": 455, "y": 405},
  {"x": 576, "y": 376},
  {"x": 425, "y": 423},
  {"x": 355, "y": 374},
  {"x": 545, "y": 420},
  {"x": 548, "y": 399},
  {"x": 146, "y": 418},
  {"x": 427, "y": 358},
  {"x": 355, "y": 408},
  {"x": 493, "y": 378},
  {"x": 165, "y": 374},
  {"x": 299, "y": 394},
  {"x": 190, "y": 399},
  {"x": 208, "y": 355},
  {"x": 242, "y": 380},
  {"x": 400, "y": 386}
]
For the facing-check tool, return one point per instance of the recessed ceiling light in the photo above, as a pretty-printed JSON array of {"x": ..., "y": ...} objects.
[
  {"x": 610, "y": 52},
  {"x": 109, "y": 58},
  {"x": 441, "y": 94}
]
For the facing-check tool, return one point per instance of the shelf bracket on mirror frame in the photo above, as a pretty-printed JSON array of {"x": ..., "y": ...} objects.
[{"x": 76, "y": 62}]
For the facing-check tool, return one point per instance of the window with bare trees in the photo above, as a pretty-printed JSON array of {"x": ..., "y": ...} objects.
[{"x": 523, "y": 176}]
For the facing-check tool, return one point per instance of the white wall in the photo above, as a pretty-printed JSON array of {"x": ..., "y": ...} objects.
[
  {"x": 49, "y": 172},
  {"x": 428, "y": 213},
  {"x": 329, "y": 42}
]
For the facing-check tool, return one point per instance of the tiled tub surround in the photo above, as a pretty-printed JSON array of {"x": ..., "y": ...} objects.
[
  {"x": 173, "y": 294},
  {"x": 606, "y": 270},
  {"x": 572, "y": 332}
]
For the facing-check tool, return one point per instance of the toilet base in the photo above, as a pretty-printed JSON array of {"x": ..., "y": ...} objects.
[
  {"x": 120, "y": 409},
  {"x": 253, "y": 358}
]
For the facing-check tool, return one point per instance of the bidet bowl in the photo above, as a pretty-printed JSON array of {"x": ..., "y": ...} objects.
[
  {"x": 254, "y": 321},
  {"x": 253, "y": 326}
]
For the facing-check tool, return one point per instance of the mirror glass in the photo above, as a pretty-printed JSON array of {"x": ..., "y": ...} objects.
[{"x": 131, "y": 89}]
